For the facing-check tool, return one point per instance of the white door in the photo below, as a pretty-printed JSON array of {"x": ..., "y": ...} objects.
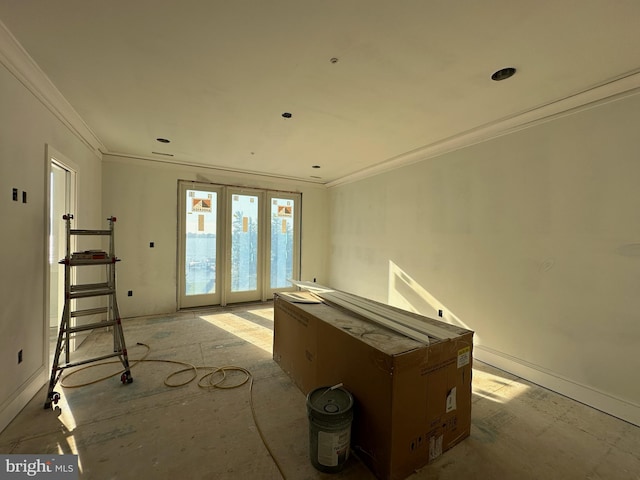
[
  {"x": 199, "y": 243},
  {"x": 283, "y": 241},
  {"x": 245, "y": 245}
]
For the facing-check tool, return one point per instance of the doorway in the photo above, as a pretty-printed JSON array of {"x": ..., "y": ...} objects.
[
  {"x": 235, "y": 244},
  {"x": 62, "y": 200}
]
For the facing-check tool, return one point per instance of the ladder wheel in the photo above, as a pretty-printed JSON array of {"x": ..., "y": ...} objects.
[
  {"x": 126, "y": 378},
  {"x": 55, "y": 398}
]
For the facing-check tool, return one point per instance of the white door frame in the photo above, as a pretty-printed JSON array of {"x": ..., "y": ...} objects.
[{"x": 52, "y": 156}]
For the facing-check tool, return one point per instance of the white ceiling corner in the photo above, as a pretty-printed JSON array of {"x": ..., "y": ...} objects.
[{"x": 17, "y": 61}]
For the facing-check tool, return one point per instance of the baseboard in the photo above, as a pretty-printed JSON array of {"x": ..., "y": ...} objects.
[
  {"x": 13, "y": 406},
  {"x": 597, "y": 399}
]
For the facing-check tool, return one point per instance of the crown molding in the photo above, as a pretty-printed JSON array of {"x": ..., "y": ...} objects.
[
  {"x": 622, "y": 86},
  {"x": 16, "y": 59},
  {"x": 113, "y": 157}
]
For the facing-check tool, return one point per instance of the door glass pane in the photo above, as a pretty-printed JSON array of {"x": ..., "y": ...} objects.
[
  {"x": 281, "y": 242},
  {"x": 244, "y": 243},
  {"x": 200, "y": 242}
]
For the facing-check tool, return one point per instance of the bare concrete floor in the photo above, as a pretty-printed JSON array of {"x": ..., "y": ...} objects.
[{"x": 147, "y": 430}]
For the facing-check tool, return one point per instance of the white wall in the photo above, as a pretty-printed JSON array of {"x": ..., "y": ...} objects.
[
  {"x": 143, "y": 196},
  {"x": 26, "y": 126},
  {"x": 532, "y": 240}
]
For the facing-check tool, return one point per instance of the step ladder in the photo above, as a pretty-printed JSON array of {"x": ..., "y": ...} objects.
[{"x": 72, "y": 291}]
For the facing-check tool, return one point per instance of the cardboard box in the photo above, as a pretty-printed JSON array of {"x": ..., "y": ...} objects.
[{"x": 413, "y": 401}]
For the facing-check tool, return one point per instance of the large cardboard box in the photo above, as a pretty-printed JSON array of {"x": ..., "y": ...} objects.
[{"x": 413, "y": 401}]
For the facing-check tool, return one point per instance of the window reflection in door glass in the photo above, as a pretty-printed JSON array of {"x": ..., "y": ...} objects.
[{"x": 244, "y": 243}]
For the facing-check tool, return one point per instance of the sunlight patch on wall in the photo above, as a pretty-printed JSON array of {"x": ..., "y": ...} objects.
[{"x": 406, "y": 293}]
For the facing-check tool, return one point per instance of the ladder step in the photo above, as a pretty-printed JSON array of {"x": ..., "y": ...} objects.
[
  {"x": 88, "y": 286},
  {"x": 90, "y": 326},
  {"x": 90, "y": 232},
  {"x": 89, "y": 311},
  {"x": 99, "y": 261},
  {"x": 92, "y": 293},
  {"x": 119, "y": 353}
]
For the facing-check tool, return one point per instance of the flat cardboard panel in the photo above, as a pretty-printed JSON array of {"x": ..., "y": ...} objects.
[
  {"x": 295, "y": 341},
  {"x": 412, "y": 401},
  {"x": 368, "y": 374}
]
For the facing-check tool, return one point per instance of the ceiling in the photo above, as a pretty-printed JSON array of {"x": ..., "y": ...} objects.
[{"x": 215, "y": 77}]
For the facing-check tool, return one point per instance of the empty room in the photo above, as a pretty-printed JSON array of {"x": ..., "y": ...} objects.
[{"x": 299, "y": 240}]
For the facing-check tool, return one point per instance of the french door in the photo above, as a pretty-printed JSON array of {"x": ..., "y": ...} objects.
[
  {"x": 245, "y": 252},
  {"x": 235, "y": 244},
  {"x": 200, "y": 241}
]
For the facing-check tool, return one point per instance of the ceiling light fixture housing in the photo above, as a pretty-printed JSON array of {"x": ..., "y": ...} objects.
[
  {"x": 503, "y": 74},
  {"x": 287, "y": 115},
  {"x": 315, "y": 166},
  {"x": 163, "y": 140}
]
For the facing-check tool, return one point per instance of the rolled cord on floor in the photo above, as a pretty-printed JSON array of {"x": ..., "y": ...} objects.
[{"x": 209, "y": 384}]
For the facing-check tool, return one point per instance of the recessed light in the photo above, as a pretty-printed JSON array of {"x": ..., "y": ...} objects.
[
  {"x": 503, "y": 74},
  {"x": 334, "y": 60},
  {"x": 163, "y": 140},
  {"x": 287, "y": 115},
  {"x": 315, "y": 166}
]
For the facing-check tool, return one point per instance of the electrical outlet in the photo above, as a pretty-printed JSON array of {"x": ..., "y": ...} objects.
[
  {"x": 439, "y": 313},
  {"x": 151, "y": 244},
  {"x": 20, "y": 356},
  {"x": 15, "y": 194},
  {"x": 130, "y": 293},
  {"x": 24, "y": 197}
]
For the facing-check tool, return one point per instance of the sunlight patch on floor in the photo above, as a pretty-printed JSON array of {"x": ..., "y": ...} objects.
[
  {"x": 496, "y": 388},
  {"x": 266, "y": 313},
  {"x": 68, "y": 425},
  {"x": 251, "y": 332},
  {"x": 66, "y": 417}
]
